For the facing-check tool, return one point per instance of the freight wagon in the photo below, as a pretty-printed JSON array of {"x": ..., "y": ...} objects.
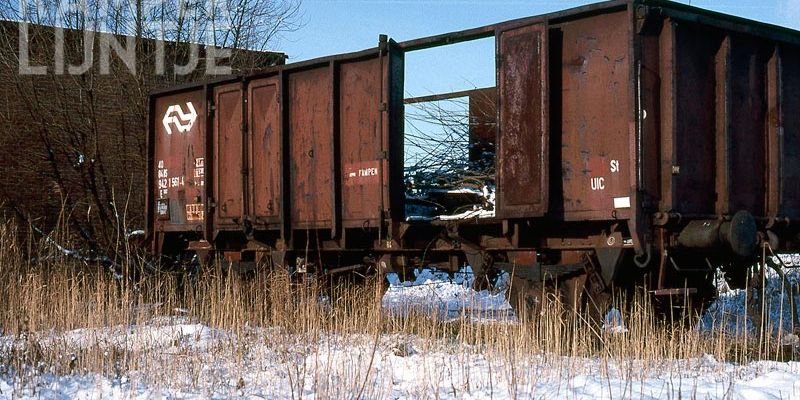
[{"x": 633, "y": 143}]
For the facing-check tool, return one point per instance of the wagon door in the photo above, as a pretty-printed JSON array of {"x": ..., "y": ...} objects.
[
  {"x": 178, "y": 181},
  {"x": 265, "y": 150},
  {"x": 228, "y": 178},
  {"x": 597, "y": 131},
  {"x": 522, "y": 173},
  {"x": 310, "y": 119}
]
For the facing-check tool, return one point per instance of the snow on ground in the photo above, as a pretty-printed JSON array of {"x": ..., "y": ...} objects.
[
  {"x": 175, "y": 357},
  {"x": 187, "y": 360}
]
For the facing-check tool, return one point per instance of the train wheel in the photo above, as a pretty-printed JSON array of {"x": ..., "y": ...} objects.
[
  {"x": 575, "y": 286},
  {"x": 525, "y": 296},
  {"x": 531, "y": 299},
  {"x": 573, "y": 291},
  {"x": 597, "y": 306},
  {"x": 380, "y": 286},
  {"x": 383, "y": 267}
]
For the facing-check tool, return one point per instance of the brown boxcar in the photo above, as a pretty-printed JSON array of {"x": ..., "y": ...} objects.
[{"x": 637, "y": 142}]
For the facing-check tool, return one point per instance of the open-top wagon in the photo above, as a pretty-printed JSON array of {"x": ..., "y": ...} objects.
[{"x": 634, "y": 143}]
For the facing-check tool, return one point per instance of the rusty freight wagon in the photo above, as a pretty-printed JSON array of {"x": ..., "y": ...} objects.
[{"x": 633, "y": 143}]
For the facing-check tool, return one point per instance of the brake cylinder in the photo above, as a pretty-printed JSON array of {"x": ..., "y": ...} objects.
[{"x": 739, "y": 234}]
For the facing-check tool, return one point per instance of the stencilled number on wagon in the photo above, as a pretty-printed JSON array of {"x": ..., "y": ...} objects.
[
  {"x": 614, "y": 164},
  {"x": 199, "y": 171},
  {"x": 163, "y": 180},
  {"x": 163, "y": 172},
  {"x": 195, "y": 212},
  {"x": 598, "y": 183},
  {"x": 176, "y": 181}
]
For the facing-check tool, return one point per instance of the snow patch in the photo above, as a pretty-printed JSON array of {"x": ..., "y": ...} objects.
[
  {"x": 276, "y": 365},
  {"x": 736, "y": 311},
  {"x": 613, "y": 323},
  {"x": 435, "y": 292}
]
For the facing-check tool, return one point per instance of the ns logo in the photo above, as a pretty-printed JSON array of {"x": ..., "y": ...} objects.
[{"x": 182, "y": 121}]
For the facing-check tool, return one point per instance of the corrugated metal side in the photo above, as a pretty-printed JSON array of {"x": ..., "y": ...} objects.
[
  {"x": 284, "y": 147},
  {"x": 728, "y": 137}
]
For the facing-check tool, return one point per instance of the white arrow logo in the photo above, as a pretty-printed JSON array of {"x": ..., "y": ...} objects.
[{"x": 182, "y": 121}]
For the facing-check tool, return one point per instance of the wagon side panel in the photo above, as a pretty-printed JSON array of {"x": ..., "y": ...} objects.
[
  {"x": 690, "y": 65},
  {"x": 360, "y": 118},
  {"x": 228, "y": 153},
  {"x": 310, "y": 98},
  {"x": 265, "y": 149},
  {"x": 596, "y": 126},
  {"x": 178, "y": 165},
  {"x": 788, "y": 141},
  {"x": 747, "y": 136}
]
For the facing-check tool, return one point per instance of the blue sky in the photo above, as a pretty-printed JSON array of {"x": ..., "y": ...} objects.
[{"x": 337, "y": 26}]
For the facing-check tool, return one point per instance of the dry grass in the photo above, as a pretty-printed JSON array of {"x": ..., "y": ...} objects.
[{"x": 44, "y": 302}]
